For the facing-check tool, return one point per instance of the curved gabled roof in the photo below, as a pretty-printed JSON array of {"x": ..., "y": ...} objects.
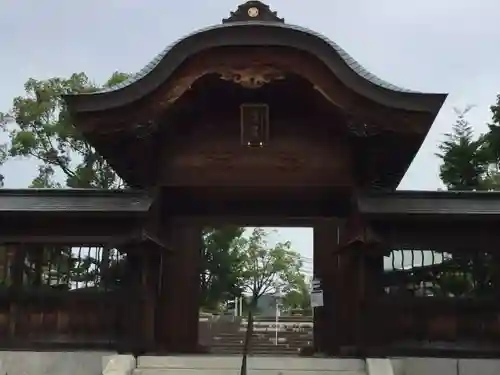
[
  {"x": 348, "y": 59},
  {"x": 265, "y": 30}
]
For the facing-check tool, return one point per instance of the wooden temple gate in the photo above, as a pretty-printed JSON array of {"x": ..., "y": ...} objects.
[
  {"x": 256, "y": 122},
  {"x": 396, "y": 281},
  {"x": 79, "y": 270}
]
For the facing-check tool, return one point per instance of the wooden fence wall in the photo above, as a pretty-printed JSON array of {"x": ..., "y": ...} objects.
[
  {"x": 59, "y": 296},
  {"x": 432, "y": 302}
]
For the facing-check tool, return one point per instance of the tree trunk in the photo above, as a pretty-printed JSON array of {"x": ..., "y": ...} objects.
[{"x": 248, "y": 336}]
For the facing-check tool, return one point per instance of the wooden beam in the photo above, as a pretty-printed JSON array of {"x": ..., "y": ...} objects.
[{"x": 77, "y": 240}]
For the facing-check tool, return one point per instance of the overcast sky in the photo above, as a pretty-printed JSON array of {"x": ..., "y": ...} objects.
[{"x": 435, "y": 46}]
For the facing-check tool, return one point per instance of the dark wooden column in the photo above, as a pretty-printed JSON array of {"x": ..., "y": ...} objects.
[
  {"x": 373, "y": 331},
  {"x": 177, "y": 320},
  {"x": 360, "y": 262},
  {"x": 150, "y": 287},
  {"x": 348, "y": 294},
  {"x": 129, "y": 302},
  {"x": 139, "y": 295},
  {"x": 325, "y": 268}
]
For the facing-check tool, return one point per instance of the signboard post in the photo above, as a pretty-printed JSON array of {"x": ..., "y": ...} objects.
[
  {"x": 316, "y": 294},
  {"x": 278, "y": 296}
]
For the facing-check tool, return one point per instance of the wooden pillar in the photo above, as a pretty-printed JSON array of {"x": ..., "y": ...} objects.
[
  {"x": 138, "y": 297},
  {"x": 360, "y": 263},
  {"x": 325, "y": 268},
  {"x": 130, "y": 303},
  {"x": 178, "y": 316},
  {"x": 348, "y": 294},
  {"x": 373, "y": 331},
  {"x": 150, "y": 286}
]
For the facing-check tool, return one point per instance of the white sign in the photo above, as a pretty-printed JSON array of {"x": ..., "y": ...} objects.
[
  {"x": 316, "y": 294},
  {"x": 317, "y": 299}
]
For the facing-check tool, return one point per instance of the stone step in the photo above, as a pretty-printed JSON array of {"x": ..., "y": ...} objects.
[
  {"x": 188, "y": 371},
  {"x": 254, "y": 351},
  {"x": 274, "y": 354},
  {"x": 284, "y": 319},
  {"x": 258, "y": 349},
  {"x": 261, "y": 365},
  {"x": 239, "y": 349},
  {"x": 269, "y": 331},
  {"x": 267, "y": 334},
  {"x": 278, "y": 352},
  {"x": 282, "y": 326},
  {"x": 281, "y": 329},
  {"x": 261, "y": 341},
  {"x": 273, "y": 324},
  {"x": 262, "y": 337},
  {"x": 263, "y": 345}
]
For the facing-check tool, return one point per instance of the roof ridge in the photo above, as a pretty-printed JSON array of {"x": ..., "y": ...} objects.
[{"x": 352, "y": 63}]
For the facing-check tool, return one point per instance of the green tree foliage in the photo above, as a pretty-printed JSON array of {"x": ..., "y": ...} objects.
[
  {"x": 466, "y": 276},
  {"x": 298, "y": 298},
  {"x": 221, "y": 269},
  {"x": 492, "y": 143},
  {"x": 3, "y": 157},
  {"x": 464, "y": 159},
  {"x": 266, "y": 269},
  {"x": 40, "y": 128},
  {"x": 469, "y": 162}
]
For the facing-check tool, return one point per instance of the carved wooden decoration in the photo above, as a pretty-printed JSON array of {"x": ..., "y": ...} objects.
[
  {"x": 253, "y": 76},
  {"x": 254, "y": 124},
  {"x": 253, "y": 11}
]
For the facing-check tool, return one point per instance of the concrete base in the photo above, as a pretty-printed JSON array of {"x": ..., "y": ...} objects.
[
  {"x": 97, "y": 363},
  {"x": 445, "y": 366},
  {"x": 51, "y": 363},
  {"x": 379, "y": 366},
  {"x": 230, "y": 365},
  {"x": 118, "y": 364}
]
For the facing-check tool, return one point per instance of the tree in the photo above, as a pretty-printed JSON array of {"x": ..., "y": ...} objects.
[
  {"x": 492, "y": 144},
  {"x": 221, "y": 269},
  {"x": 465, "y": 160},
  {"x": 468, "y": 162},
  {"x": 3, "y": 157},
  {"x": 40, "y": 128},
  {"x": 266, "y": 269},
  {"x": 298, "y": 298}
]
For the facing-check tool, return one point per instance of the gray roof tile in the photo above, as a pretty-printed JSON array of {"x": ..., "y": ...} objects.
[
  {"x": 349, "y": 60},
  {"x": 72, "y": 200},
  {"x": 431, "y": 203}
]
